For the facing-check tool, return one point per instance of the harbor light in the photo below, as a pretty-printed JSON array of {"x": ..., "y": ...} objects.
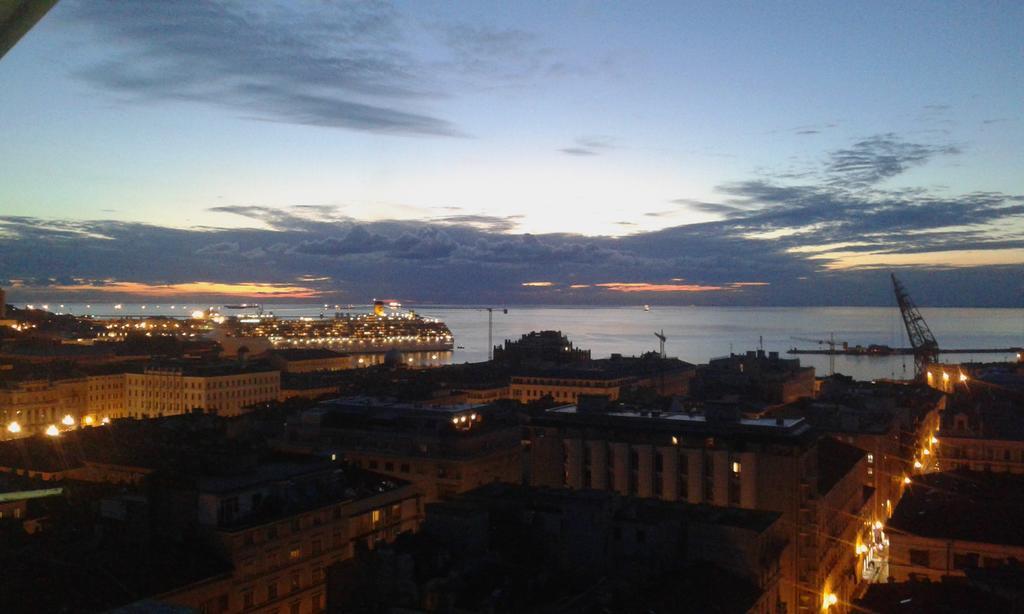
[
  {"x": 52, "y": 430},
  {"x": 14, "y": 427},
  {"x": 67, "y": 420}
]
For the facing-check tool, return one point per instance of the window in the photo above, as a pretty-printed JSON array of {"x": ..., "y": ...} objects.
[
  {"x": 228, "y": 510},
  {"x": 247, "y": 599},
  {"x": 295, "y": 607},
  {"x": 318, "y": 546},
  {"x": 295, "y": 584},
  {"x": 272, "y": 590},
  {"x": 968, "y": 560},
  {"x": 919, "y": 558},
  {"x": 318, "y": 602},
  {"x": 871, "y": 458},
  {"x": 295, "y": 552}
]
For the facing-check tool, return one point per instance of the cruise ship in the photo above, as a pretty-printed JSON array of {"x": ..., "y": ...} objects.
[{"x": 388, "y": 326}]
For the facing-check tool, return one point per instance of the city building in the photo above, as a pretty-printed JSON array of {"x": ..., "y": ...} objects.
[
  {"x": 540, "y": 348},
  {"x": 607, "y": 377},
  {"x": 982, "y": 430},
  {"x": 195, "y": 511},
  {"x": 302, "y": 360},
  {"x": 950, "y": 523},
  {"x": 226, "y": 388},
  {"x": 755, "y": 375},
  {"x": 279, "y": 524},
  {"x": 895, "y": 424},
  {"x": 951, "y": 596},
  {"x": 444, "y": 450},
  {"x": 505, "y": 547},
  {"x": 722, "y": 459}
]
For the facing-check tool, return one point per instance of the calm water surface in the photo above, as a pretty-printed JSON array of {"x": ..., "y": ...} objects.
[{"x": 696, "y": 334}]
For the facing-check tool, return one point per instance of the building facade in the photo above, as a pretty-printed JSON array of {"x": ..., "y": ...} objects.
[
  {"x": 224, "y": 390},
  {"x": 443, "y": 450},
  {"x": 724, "y": 460}
]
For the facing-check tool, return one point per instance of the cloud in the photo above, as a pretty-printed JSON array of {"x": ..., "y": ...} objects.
[
  {"x": 484, "y": 222},
  {"x": 589, "y": 146},
  {"x": 192, "y": 289},
  {"x": 880, "y": 157},
  {"x": 705, "y": 207},
  {"x": 632, "y": 287},
  {"x": 774, "y": 240},
  {"x": 338, "y": 65}
]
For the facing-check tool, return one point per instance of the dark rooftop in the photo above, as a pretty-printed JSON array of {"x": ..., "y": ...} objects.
[
  {"x": 835, "y": 460},
  {"x": 306, "y": 353},
  {"x": 972, "y": 506},
  {"x": 946, "y": 597}
]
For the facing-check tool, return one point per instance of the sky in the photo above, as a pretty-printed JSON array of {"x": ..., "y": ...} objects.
[{"x": 529, "y": 152}]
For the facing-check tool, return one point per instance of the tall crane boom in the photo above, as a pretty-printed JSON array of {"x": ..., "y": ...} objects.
[{"x": 926, "y": 348}]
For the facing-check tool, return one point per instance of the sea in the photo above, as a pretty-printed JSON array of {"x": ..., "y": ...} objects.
[{"x": 694, "y": 334}]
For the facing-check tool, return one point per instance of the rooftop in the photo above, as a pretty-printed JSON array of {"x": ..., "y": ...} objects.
[
  {"x": 677, "y": 421},
  {"x": 971, "y": 506}
]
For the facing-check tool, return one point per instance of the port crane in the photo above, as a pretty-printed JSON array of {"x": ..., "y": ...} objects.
[
  {"x": 661, "y": 337},
  {"x": 926, "y": 348},
  {"x": 831, "y": 343}
]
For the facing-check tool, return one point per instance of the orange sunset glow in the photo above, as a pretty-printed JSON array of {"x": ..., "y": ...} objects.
[{"x": 194, "y": 288}]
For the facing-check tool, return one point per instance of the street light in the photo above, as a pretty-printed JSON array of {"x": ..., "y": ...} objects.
[
  {"x": 14, "y": 427},
  {"x": 52, "y": 430}
]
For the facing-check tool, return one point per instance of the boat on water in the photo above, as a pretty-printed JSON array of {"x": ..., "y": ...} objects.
[
  {"x": 387, "y": 326},
  {"x": 647, "y": 307}
]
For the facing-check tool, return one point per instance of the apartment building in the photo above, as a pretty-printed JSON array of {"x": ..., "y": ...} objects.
[
  {"x": 226, "y": 389},
  {"x": 280, "y": 524},
  {"x": 722, "y": 459},
  {"x": 444, "y": 450},
  {"x": 951, "y": 523}
]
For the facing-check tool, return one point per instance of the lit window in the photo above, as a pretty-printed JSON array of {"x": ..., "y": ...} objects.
[
  {"x": 871, "y": 458},
  {"x": 736, "y": 467}
]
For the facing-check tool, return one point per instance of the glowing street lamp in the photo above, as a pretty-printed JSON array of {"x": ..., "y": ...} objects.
[
  {"x": 829, "y": 600},
  {"x": 14, "y": 427},
  {"x": 906, "y": 479},
  {"x": 52, "y": 430},
  {"x": 67, "y": 420}
]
